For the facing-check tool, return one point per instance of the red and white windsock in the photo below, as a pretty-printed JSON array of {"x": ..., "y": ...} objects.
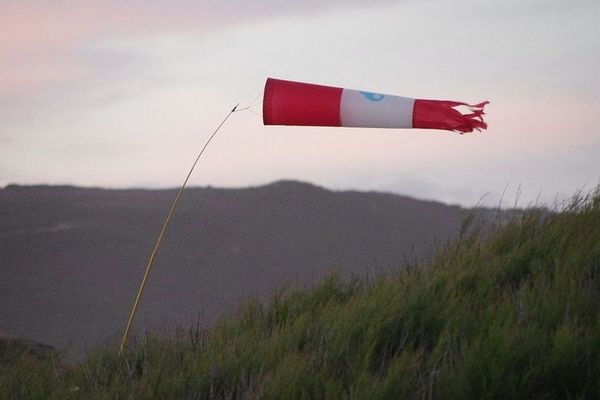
[{"x": 296, "y": 103}]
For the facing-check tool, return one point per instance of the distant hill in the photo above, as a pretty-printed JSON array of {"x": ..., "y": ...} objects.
[
  {"x": 11, "y": 346},
  {"x": 71, "y": 258},
  {"x": 509, "y": 313}
]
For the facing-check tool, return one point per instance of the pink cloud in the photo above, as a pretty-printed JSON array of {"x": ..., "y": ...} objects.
[
  {"x": 38, "y": 44},
  {"x": 39, "y": 40}
]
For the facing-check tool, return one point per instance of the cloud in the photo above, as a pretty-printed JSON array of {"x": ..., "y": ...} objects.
[
  {"x": 40, "y": 40},
  {"x": 102, "y": 90}
]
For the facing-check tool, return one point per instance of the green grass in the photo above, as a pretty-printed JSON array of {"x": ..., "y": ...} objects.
[{"x": 508, "y": 314}]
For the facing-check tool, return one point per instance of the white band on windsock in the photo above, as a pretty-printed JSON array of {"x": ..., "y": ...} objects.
[{"x": 365, "y": 109}]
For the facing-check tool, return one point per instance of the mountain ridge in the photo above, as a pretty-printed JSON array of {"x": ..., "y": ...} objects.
[
  {"x": 72, "y": 257},
  {"x": 508, "y": 312}
]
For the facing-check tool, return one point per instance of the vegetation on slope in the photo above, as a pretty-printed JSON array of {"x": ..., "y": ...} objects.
[{"x": 508, "y": 314}]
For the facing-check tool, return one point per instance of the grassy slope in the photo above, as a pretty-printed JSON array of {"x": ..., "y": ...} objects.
[{"x": 515, "y": 315}]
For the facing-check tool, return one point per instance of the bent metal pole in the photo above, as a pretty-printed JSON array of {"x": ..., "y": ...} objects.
[{"x": 162, "y": 233}]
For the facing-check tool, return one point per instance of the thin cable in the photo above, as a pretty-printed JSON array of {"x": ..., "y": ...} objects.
[
  {"x": 162, "y": 233},
  {"x": 250, "y": 108},
  {"x": 253, "y": 103},
  {"x": 256, "y": 98},
  {"x": 254, "y": 112}
]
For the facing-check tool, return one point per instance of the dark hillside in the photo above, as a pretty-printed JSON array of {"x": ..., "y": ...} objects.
[
  {"x": 514, "y": 314},
  {"x": 71, "y": 258}
]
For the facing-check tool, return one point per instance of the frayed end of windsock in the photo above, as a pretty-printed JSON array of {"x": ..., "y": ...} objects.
[{"x": 442, "y": 114}]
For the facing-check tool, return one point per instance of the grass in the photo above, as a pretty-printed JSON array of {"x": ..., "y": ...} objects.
[{"x": 508, "y": 314}]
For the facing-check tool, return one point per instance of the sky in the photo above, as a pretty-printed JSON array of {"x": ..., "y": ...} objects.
[{"x": 124, "y": 94}]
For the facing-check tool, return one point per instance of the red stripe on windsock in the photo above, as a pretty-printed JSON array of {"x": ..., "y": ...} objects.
[
  {"x": 295, "y": 103},
  {"x": 441, "y": 114}
]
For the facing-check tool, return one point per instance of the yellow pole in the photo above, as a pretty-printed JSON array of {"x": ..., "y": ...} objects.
[{"x": 162, "y": 233}]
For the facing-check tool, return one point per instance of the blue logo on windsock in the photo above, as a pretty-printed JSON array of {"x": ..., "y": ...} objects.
[{"x": 372, "y": 96}]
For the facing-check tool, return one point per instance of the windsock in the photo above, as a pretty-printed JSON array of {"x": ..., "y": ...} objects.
[{"x": 296, "y": 103}]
